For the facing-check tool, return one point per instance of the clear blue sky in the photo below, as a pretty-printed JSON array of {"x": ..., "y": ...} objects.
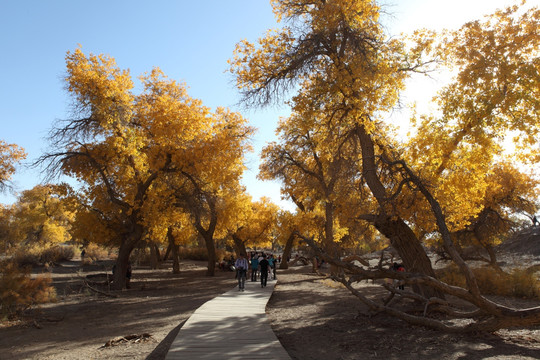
[{"x": 190, "y": 40}]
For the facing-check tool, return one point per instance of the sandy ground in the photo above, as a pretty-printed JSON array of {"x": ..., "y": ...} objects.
[
  {"x": 317, "y": 319},
  {"x": 82, "y": 322},
  {"x": 313, "y": 318}
]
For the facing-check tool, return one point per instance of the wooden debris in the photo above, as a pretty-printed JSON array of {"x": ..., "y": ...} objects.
[{"x": 128, "y": 338}]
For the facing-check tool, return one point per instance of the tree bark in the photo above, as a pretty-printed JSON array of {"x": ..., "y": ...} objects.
[
  {"x": 174, "y": 250},
  {"x": 154, "y": 256},
  {"x": 393, "y": 227},
  {"x": 167, "y": 253},
  {"x": 287, "y": 251},
  {"x": 239, "y": 245},
  {"x": 211, "y": 248},
  {"x": 409, "y": 249},
  {"x": 122, "y": 261}
]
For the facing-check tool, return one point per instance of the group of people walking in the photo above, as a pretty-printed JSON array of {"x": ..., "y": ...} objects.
[{"x": 257, "y": 264}]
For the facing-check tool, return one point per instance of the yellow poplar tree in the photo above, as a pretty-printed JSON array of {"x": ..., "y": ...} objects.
[
  {"x": 10, "y": 154},
  {"x": 338, "y": 54},
  {"x": 349, "y": 73},
  {"x": 42, "y": 217},
  {"x": 491, "y": 102},
  {"x": 208, "y": 185},
  {"x": 120, "y": 145},
  {"x": 255, "y": 226}
]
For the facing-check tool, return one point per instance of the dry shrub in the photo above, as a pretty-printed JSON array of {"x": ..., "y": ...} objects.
[
  {"x": 56, "y": 254},
  {"x": 524, "y": 284},
  {"x": 223, "y": 254},
  {"x": 193, "y": 254},
  {"x": 95, "y": 252},
  {"x": 36, "y": 255},
  {"x": 19, "y": 292},
  {"x": 517, "y": 283},
  {"x": 26, "y": 257},
  {"x": 201, "y": 254}
]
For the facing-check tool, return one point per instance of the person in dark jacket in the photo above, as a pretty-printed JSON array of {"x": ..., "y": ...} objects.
[{"x": 263, "y": 264}]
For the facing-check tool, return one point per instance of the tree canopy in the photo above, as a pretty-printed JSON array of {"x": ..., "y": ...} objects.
[
  {"x": 133, "y": 153},
  {"x": 338, "y": 157},
  {"x": 10, "y": 154}
]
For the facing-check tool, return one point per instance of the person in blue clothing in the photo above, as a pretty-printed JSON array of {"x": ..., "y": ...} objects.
[
  {"x": 271, "y": 262},
  {"x": 273, "y": 266},
  {"x": 254, "y": 266},
  {"x": 264, "y": 270}
]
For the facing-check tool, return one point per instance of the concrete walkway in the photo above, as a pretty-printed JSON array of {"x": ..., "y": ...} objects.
[{"x": 231, "y": 326}]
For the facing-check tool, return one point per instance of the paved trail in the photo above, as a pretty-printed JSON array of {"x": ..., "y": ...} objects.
[{"x": 231, "y": 326}]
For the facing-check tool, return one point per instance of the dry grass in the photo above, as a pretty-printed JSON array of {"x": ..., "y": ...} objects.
[
  {"x": 18, "y": 291},
  {"x": 518, "y": 282}
]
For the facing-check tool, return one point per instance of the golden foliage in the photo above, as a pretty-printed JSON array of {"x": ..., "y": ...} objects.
[
  {"x": 349, "y": 75},
  {"x": 10, "y": 154},
  {"x": 136, "y": 154},
  {"x": 42, "y": 216},
  {"x": 492, "y": 99}
]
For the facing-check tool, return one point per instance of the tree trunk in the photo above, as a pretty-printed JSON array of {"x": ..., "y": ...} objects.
[
  {"x": 287, "y": 252},
  {"x": 394, "y": 228},
  {"x": 176, "y": 259},
  {"x": 201, "y": 241},
  {"x": 167, "y": 253},
  {"x": 211, "y": 249},
  {"x": 330, "y": 246},
  {"x": 492, "y": 257},
  {"x": 126, "y": 247},
  {"x": 174, "y": 249},
  {"x": 239, "y": 246},
  {"x": 121, "y": 264},
  {"x": 409, "y": 249},
  {"x": 154, "y": 256}
]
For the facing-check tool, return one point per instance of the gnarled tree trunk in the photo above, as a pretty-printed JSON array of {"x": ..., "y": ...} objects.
[
  {"x": 122, "y": 261},
  {"x": 393, "y": 227}
]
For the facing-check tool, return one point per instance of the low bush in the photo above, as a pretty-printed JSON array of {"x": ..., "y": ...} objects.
[
  {"x": 26, "y": 257},
  {"x": 35, "y": 256},
  {"x": 94, "y": 252},
  {"x": 56, "y": 254},
  {"x": 19, "y": 292},
  {"x": 518, "y": 283},
  {"x": 201, "y": 254}
]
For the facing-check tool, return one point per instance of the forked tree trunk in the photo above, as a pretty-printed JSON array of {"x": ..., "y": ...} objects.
[
  {"x": 200, "y": 241},
  {"x": 394, "y": 228}
]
